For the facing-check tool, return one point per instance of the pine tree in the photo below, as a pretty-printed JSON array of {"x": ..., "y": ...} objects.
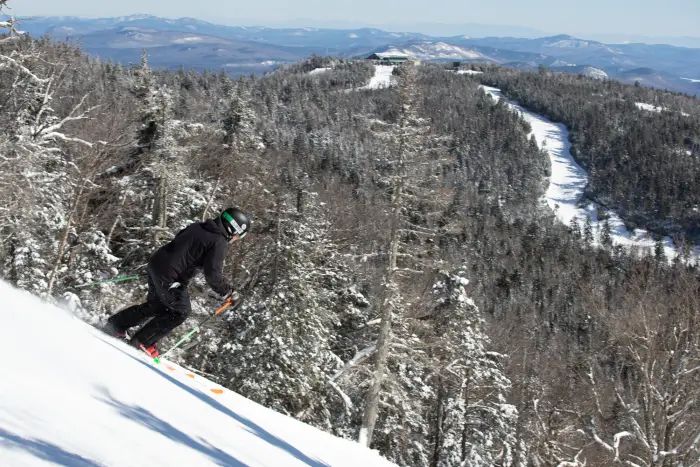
[
  {"x": 606, "y": 234},
  {"x": 280, "y": 349},
  {"x": 473, "y": 423},
  {"x": 588, "y": 231},
  {"x": 42, "y": 157}
]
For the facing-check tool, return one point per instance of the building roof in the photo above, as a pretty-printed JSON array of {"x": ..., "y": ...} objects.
[{"x": 391, "y": 54}]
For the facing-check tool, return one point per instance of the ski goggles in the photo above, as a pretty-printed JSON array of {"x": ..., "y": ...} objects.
[{"x": 240, "y": 231}]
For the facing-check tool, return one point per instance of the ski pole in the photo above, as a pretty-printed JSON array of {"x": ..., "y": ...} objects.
[
  {"x": 195, "y": 330},
  {"x": 116, "y": 279}
]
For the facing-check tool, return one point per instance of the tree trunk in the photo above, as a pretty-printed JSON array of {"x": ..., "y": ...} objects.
[
  {"x": 278, "y": 241},
  {"x": 64, "y": 239},
  {"x": 211, "y": 198},
  {"x": 160, "y": 206},
  {"x": 385, "y": 310},
  {"x": 389, "y": 292},
  {"x": 79, "y": 226},
  {"x": 438, "y": 428},
  {"x": 116, "y": 220},
  {"x": 465, "y": 424}
]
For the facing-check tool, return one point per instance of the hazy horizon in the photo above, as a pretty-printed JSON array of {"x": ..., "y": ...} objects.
[{"x": 644, "y": 18}]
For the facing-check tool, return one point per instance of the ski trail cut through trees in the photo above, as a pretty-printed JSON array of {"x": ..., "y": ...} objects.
[
  {"x": 381, "y": 78},
  {"x": 568, "y": 182}
]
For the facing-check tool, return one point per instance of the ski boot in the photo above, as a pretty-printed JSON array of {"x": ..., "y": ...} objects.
[
  {"x": 112, "y": 330},
  {"x": 151, "y": 351}
]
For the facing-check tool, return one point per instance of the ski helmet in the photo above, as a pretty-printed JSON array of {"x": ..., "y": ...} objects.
[{"x": 236, "y": 222}]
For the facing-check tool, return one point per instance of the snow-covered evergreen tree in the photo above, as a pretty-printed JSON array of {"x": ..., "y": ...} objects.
[
  {"x": 473, "y": 424},
  {"x": 279, "y": 349},
  {"x": 40, "y": 155}
]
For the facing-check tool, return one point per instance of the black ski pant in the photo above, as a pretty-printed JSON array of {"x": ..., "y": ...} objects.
[{"x": 167, "y": 306}]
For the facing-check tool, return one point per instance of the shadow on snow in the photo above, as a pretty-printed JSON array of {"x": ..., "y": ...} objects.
[
  {"x": 147, "y": 419},
  {"x": 44, "y": 450}
]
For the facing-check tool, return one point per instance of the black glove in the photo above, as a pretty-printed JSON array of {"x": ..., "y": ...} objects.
[{"x": 223, "y": 297}]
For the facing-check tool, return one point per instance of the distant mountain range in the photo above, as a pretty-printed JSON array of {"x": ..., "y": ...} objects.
[{"x": 202, "y": 45}]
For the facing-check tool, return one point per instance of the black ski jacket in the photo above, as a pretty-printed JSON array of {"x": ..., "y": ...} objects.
[{"x": 202, "y": 245}]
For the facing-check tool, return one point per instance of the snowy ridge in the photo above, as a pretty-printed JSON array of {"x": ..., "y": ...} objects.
[
  {"x": 318, "y": 71},
  {"x": 428, "y": 50},
  {"x": 595, "y": 72},
  {"x": 570, "y": 42},
  {"x": 76, "y": 397},
  {"x": 568, "y": 181}
]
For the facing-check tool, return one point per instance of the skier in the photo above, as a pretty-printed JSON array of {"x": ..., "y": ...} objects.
[{"x": 201, "y": 245}]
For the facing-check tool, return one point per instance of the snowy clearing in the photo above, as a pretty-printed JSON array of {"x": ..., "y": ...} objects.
[
  {"x": 652, "y": 108},
  {"x": 318, "y": 71},
  {"x": 692, "y": 80},
  {"x": 469, "y": 72},
  {"x": 381, "y": 78},
  {"x": 649, "y": 107},
  {"x": 71, "y": 396},
  {"x": 569, "y": 180}
]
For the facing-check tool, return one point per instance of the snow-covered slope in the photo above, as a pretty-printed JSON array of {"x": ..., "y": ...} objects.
[
  {"x": 381, "y": 78},
  {"x": 71, "y": 396},
  {"x": 568, "y": 182},
  {"x": 594, "y": 72}
]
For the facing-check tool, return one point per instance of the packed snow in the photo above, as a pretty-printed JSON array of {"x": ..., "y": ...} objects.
[
  {"x": 692, "y": 80},
  {"x": 71, "y": 396},
  {"x": 568, "y": 181},
  {"x": 381, "y": 78},
  {"x": 469, "y": 72}
]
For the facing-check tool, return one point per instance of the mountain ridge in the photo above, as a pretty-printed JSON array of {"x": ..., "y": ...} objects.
[{"x": 106, "y": 37}]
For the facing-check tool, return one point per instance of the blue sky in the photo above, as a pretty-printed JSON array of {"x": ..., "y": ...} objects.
[{"x": 638, "y": 17}]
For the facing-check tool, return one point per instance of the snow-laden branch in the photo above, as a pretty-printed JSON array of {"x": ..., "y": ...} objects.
[
  {"x": 345, "y": 397},
  {"x": 408, "y": 271},
  {"x": 359, "y": 357},
  {"x": 617, "y": 439},
  {"x": 71, "y": 116},
  {"x": 11, "y": 25},
  {"x": 12, "y": 63},
  {"x": 51, "y": 132},
  {"x": 691, "y": 371},
  {"x": 598, "y": 439},
  {"x": 637, "y": 428},
  {"x": 69, "y": 139}
]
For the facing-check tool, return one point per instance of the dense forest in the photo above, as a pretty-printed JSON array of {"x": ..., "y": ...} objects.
[
  {"x": 644, "y": 163},
  {"x": 403, "y": 285}
]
